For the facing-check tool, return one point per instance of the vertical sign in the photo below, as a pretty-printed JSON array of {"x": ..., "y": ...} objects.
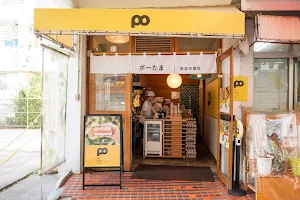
[
  {"x": 240, "y": 88},
  {"x": 225, "y": 100},
  {"x": 103, "y": 138}
]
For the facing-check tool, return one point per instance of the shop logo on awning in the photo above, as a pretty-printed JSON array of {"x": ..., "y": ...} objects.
[{"x": 137, "y": 20}]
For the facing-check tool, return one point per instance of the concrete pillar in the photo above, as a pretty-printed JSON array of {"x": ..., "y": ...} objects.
[{"x": 76, "y": 103}]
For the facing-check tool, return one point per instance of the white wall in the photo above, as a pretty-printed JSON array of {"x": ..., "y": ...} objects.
[
  {"x": 54, "y": 4},
  {"x": 211, "y": 134},
  {"x": 243, "y": 66},
  {"x": 76, "y": 108},
  {"x": 146, "y": 3}
]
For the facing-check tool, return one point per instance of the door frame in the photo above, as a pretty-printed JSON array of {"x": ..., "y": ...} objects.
[{"x": 226, "y": 180}]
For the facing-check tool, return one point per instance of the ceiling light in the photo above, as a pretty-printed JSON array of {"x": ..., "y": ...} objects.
[
  {"x": 117, "y": 39},
  {"x": 174, "y": 80},
  {"x": 199, "y": 75}
]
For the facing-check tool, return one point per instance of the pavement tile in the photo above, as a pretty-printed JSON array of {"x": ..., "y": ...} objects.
[{"x": 146, "y": 189}]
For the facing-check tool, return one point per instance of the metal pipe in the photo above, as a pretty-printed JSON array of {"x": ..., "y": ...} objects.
[{"x": 155, "y": 53}]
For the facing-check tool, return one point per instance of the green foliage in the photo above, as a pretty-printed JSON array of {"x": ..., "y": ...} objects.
[{"x": 29, "y": 99}]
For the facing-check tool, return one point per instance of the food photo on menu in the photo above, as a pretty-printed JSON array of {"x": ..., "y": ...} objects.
[{"x": 102, "y": 130}]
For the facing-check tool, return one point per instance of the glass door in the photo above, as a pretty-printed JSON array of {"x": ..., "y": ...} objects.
[
  {"x": 271, "y": 85},
  {"x": 225, "y": 117},
  {"x": 153, "y": 132}
]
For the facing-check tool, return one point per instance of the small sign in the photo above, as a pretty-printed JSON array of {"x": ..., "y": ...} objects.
[
  {"x": 224, "y": 133},
  {"x": 102, "y": 147},
  {"x": 102, "y": 141},
  {"x": 196, "y": 64},
  {"x": 225, "y": 100},
  {"x": 147, "y": 64},
  {"x": 240, "y": 88}
]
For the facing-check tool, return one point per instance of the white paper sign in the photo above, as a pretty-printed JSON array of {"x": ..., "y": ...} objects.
[
  {"x": 108, "y": 64},
  {"x": 224, "y": 140},
  {"x": 196, "y": 64},
  {"x": 154, "y": 64},
  {"x": 147, "y": 64}
]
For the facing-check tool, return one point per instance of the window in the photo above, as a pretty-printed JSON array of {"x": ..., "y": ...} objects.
[
  {"x": 110, "y": 92},
  {"x": 271, "y": 84}
]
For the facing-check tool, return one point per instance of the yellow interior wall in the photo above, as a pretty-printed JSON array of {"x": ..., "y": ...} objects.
[
  {"x": 201, "y": 100},
  {"x": 64, "y": 39},
  {"x": 212, "y": 88}
]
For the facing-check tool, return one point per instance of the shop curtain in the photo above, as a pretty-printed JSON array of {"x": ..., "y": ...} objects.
[{"x": 55, "y": 69}]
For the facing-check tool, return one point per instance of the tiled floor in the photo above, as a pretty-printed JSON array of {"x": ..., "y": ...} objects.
[
  {"x": 136, "y": 189},
  {"x": 204, "y": 159}
]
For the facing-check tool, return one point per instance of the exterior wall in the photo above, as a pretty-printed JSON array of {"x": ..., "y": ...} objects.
[
  {"x": 54, "y": 4},
  {"x": 147, "y": 3},
  {"x": 76, "y": 108},
  {"x": 243, "y": 66},
  {"x": 76, "y": 88}
]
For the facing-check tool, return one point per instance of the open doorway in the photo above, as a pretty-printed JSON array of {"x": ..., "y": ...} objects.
[{"x": 188, "y": 97}]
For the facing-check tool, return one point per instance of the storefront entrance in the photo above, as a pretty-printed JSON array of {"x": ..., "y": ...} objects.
[
  {"x": 170, "y": 34},
  {"x": 174, "y": 148}
]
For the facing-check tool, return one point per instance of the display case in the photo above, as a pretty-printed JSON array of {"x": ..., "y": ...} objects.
[{"x": 153, "y": 138}]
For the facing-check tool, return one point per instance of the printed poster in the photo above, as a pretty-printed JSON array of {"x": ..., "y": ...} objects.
[
  {"x": 225, "y": 100},
  {"x": 102, "y": 141},
  {"x": 224, "y": 133},
  {"x": 240, "y": 91}
]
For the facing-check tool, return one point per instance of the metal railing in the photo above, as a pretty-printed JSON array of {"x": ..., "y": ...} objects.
[{"x": 20, "y": 112}]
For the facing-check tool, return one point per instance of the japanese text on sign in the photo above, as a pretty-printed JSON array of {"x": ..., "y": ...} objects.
[{"x": 153, "y": 68}]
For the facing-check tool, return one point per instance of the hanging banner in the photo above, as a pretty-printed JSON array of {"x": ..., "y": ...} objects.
[
  {"x": 105, "y": 64},
  {"x": 158, "y": 64},
  {"x": 154, "y": 64},
  {"x": 102, "y": 141},
  {"x": 196, "y": 64},
  {"x": 240, "y": 88}
]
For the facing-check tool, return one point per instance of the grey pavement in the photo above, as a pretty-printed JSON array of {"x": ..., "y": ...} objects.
[
  {"x": 32, "y": 188},
  {"x": 19, "y": 154}
]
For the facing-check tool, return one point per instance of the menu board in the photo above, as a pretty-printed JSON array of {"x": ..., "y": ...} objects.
[{"x": 102, "y": 141}]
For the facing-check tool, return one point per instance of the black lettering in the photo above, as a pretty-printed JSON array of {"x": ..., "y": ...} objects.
[
  {"x": 137, "y": 20},
  {"x": 102, "y": 151},
  {"x": 238, "y": 84}
]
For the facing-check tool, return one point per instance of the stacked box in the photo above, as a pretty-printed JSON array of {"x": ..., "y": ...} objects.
[{"x": 190, "y": 142}]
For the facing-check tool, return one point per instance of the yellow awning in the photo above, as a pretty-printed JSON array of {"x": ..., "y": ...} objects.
[{"x": 204, "y": 22}]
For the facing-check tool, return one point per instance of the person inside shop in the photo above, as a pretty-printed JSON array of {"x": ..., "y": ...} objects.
[
  {"x": 166, "y": 108},
  {"x": 157, "y": 107},
  {"x": 146, "y": 111}
]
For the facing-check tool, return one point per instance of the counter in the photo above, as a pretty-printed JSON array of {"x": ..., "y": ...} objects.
[{"x": 172, "y": 137}]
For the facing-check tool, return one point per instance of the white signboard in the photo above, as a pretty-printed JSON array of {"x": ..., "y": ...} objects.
[
  {"x": 158, "y": 64},
  {"x": 154, "y": 64},
  {"x": 196, "y": 64},
  {"x": 105, "y": 64}
]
